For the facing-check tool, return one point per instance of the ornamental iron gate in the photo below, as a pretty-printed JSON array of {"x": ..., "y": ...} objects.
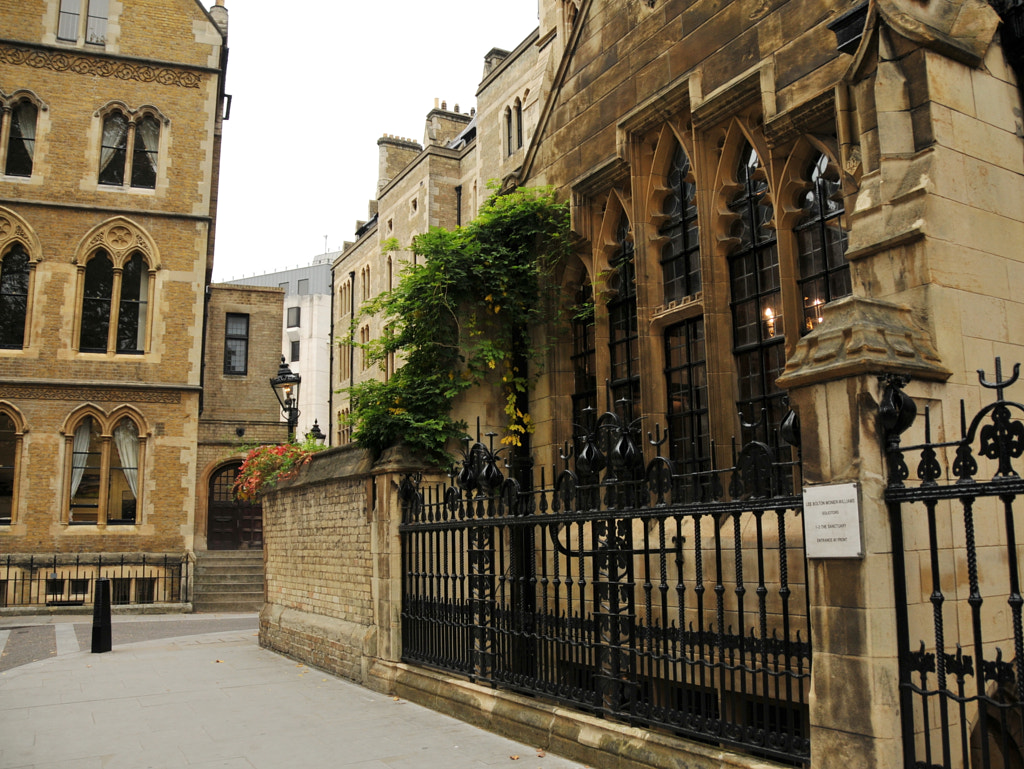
[
  {"x": 625, "y": 589},
  {"x": 957, "y": 581}
]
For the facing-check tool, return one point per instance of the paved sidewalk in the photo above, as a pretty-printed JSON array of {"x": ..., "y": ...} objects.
[{"x": 218, "y": 700}]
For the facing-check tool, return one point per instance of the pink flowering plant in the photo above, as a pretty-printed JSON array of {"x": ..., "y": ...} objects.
[{"x": 266, "y": 466}]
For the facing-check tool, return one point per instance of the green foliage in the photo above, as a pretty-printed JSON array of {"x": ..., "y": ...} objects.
[{"x": 460, "y": 317}]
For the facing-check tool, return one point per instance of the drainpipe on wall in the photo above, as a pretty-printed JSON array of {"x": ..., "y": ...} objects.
[{"x": 351, "y": 330}]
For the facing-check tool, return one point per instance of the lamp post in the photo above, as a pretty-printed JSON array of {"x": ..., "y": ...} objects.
[
  {"x": 286, "y": 388},
  {"x": 316, "y": 434}
]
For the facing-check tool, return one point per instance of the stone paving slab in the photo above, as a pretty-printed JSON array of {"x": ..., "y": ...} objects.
[{"x": 220, "y": 701}]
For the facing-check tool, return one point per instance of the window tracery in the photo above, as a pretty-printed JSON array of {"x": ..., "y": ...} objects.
[
  {"x": 105, "y": 456},
  {"x": 129, "y": 149},
  {"x": 116, "y": 287}
]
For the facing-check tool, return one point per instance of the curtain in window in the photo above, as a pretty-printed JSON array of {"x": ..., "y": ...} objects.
[
  {"x": 126, "y": 438},
  {"x": 131, "y": 321},
  {"x": 67, "y": 28},
  {"x": 80, "y": 453},
  {"x": 112, "y": 153},
  {"x": 96, "y": 22},
  {"x": 22, "y": 142},
  {"x": 144, "y": 160},
  {"x": 25, "y": 120}
]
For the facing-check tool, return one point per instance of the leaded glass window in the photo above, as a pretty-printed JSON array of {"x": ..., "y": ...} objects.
[
  {"x": 758, "y": 338},
  {"x": 623, "y": 342},
  {"x": 584, "y": 394},
  {"x": 821, "y": 242},
  {"x": 687, "y": 385},
  {"x": 680, "y": 256}
]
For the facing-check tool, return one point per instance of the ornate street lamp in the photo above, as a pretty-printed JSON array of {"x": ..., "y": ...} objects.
[
  {"x": 316, "y": 434},
  {"x": 286, "y": 388}
]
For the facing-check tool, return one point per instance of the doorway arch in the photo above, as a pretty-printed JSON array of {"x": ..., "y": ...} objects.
[{"x": 231, "y": 523}]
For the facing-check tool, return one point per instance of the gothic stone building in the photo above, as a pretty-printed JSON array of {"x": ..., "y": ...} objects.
[
  {"x": 780, "y": 202},
  {"x": 109, "y": 147}
]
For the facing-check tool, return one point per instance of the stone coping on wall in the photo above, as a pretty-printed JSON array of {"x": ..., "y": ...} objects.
[{"x": 596, "y": 742}]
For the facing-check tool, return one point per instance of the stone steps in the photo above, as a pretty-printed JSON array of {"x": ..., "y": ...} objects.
[{"x": 228, "y": 581}]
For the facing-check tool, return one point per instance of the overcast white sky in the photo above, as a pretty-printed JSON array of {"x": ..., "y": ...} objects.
[{"x": 313, "y": 89}]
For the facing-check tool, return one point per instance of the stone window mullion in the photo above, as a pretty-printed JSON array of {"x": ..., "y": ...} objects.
[
  {"x": 115, "y": 310},
  {"x": 104, "y": 497}
]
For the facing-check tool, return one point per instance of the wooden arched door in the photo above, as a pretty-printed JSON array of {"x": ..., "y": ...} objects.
[{"x": 233, "y": 525}]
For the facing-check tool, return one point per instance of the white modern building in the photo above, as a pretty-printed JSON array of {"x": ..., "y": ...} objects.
[{"x": 306, "y": 335}]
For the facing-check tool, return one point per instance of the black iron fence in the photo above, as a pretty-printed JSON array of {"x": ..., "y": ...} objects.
[
  {"x": 958, "y": 593},
  {"x": 624, "y": 588},
  {"x": 63, "y": 580}
]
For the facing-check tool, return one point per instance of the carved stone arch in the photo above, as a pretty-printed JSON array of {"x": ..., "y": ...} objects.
[
  {"x": 120, "y": 237},
  {"x": 74, "y": 418},
  {"x": 572, "y": 273},
  {"x": 605, "y": 243},
  {"x": 726, "y": 185},
  {"x": 23, "y": 94},
  {"x": 153, "y": 111},
  {"x": 792, "y": 177},
  {"x": 14, "y": 413},
  {"x": 133, "y": 114},
  {"x": 664, "y": 149},
  {"x": 132, "y": 413},
  {"x": 14, "y": 229}
]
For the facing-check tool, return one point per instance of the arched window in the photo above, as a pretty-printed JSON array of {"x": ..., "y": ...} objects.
[
  {"x": 99, "y": 287},
  {"x": 758, "y": 339},
  {"x": 623, "y": 343},
  {"x": 144, "y": 155},
  {"x": 680, "y": 256},
  {"x": 115, "y": 297},
  {"x": 14, "y": 274},
  {"x": 9, "y": 445},
  {"x": 584, "y": 393},
  {"x": 133, "y": 308},
  {"x": 821, "y": 241},
  {"x": 114, "y": 149},
  {"x": 20, "y": 135},
  {"x": 509, "y": 133},
  {"x": 105, "y": 473},
  {"x": 129, "y": 150},
  {"x": 518, "y": 110}
]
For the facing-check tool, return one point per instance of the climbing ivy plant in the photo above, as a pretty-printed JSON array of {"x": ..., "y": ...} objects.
[{"x": 460, "y": 317}]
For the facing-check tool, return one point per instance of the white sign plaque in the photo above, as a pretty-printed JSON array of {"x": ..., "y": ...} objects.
[{"x": 832, "y": 521}]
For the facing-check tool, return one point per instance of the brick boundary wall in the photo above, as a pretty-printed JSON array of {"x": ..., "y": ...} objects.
[{"x": 331, "y": 547}]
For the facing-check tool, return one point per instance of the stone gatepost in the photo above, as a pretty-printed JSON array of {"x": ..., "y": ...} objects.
[{"x": 833, "y": 381}]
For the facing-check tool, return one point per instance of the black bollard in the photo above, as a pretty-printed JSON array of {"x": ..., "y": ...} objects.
[{"x": 101, "y": 617}]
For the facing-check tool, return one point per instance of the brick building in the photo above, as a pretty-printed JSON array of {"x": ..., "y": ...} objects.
[{"x": 110, "y": 145}]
